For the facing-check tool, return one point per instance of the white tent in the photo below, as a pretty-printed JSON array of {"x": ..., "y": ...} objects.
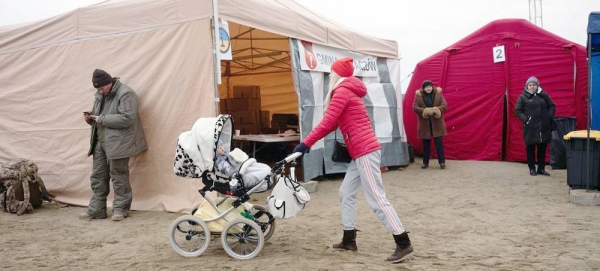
[{"x": 163, "y": 50}]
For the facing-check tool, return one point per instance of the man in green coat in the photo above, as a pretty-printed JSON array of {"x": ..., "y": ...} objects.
[{"x": 116, "y": 135}]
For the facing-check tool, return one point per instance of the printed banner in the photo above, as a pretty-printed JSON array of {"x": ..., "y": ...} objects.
[
  {"x": 316, "y": 57},
  {"x": 384, "y": 107},
  {"x": 224, "y": 41}
]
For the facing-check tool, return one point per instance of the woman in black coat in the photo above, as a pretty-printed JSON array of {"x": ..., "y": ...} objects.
[{"x": 536, "y": 110}]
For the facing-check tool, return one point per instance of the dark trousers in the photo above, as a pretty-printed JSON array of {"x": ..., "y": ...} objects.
[
  {"x": 439, "y": 148},
  {"x": 541, "y": 156},
  {"x": 104, "y": 171}
]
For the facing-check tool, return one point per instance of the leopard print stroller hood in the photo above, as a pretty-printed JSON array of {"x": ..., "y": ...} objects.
[{"x": 195, "y": 150}]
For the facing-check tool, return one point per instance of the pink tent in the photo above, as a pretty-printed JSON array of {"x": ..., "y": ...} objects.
[{"x": 482, "y": 90}]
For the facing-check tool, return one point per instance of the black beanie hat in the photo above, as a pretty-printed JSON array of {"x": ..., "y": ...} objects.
[
  {"x": 426, "y": 83},
  {"x": 101, "y": 78}
]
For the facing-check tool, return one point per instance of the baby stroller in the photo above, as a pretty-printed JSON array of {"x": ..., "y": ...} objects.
[{"x": 243, "y": 227}]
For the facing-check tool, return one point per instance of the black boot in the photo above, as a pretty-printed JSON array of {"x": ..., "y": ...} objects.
[
  {"x": 532, "y": 172},
  {"x": 542, "y": 171},
  {"x": 403, "y": 249},
  {"x": 348, "y": 241}
]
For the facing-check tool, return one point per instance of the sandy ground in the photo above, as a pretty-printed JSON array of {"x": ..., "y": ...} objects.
[{"x": 470, "y": 216}]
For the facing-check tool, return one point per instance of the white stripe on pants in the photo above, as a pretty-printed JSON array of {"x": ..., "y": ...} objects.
[{"x": 365, "y": 170}]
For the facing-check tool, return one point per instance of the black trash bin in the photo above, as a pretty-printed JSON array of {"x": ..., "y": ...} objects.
[
  {"x": 558, "y": 149},
  {"x": 576, "y": 145}
]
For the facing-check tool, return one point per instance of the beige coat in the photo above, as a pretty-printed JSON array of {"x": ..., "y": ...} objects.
[
  {"x": 123, "y": 134},
  {"x": 434, "y": 114}
]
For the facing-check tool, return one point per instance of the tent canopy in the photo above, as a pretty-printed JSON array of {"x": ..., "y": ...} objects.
[
  {"x": 163, "y": 50},
  {"x": 482, "y": 93},
  {"x": 282, "y": 17}
]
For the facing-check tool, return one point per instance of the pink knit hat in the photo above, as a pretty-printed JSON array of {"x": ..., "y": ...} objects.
[{"x": 344, "y": 67}]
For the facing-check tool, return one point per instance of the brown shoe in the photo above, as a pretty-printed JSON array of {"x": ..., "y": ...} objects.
[
  {"x": 117, "y": 217},
  {"x": 403, "y": 251},
  {"x": 424, "y": 166},
  {"x": 86, "y": 216},
  {"x": 400, "y": 254}
]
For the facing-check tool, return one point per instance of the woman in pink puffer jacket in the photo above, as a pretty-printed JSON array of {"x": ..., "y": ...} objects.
[{"x": 345, "y": 109}]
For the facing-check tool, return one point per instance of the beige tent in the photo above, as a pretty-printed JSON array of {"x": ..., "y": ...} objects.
[{"x": 163, "y": 50}]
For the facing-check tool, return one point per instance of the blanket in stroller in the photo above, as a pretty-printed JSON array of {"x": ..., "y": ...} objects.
[
  {"x": 256, "y": 173},
  {"x": 207, "y": 211},
  {"x": 251, "y": 171}
]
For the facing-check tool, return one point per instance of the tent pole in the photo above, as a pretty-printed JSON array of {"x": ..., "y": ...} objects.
[
  {"x": 216, "y": 58},
  {"x": 227, "y": 76}
]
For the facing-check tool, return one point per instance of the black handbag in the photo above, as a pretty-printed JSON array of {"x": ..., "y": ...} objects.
[{"x": 340, "y": 152}]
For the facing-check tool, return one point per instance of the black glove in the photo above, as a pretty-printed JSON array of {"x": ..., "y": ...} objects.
[{"x": 302, "y": 148}]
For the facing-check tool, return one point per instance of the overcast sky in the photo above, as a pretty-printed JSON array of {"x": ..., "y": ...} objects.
[{"x": 421, "y": 27}]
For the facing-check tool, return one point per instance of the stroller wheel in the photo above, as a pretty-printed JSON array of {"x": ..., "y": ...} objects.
[
  {"x": 265, "y": 221},
  {"x": 242, "y": 239},
  {"x": 189, "y": 236}
]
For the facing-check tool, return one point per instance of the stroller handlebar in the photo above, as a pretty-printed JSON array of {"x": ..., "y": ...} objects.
[
  {"x": 286, "y": 160},
  {"x": 292, "y": 157}
]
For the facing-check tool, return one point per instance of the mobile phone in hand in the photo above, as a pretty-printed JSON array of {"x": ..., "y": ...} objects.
[{"x": 87, "y": 113}]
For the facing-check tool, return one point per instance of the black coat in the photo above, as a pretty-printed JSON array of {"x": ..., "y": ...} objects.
[{"x": 536, "y": 111}]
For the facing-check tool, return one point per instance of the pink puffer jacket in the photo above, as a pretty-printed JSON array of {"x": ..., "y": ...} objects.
[{"x": 348, "y": 111}]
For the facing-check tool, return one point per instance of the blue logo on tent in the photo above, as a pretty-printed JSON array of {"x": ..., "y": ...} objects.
[{"x": 225, "y": 42}]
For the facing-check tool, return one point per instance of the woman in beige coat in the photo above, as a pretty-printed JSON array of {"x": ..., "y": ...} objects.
[{"x": 430, "y": 106}]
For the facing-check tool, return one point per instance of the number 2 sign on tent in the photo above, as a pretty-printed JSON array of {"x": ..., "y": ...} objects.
[{"x": 499, "y": 55}]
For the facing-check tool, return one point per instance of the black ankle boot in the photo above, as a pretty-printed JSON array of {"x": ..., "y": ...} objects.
[
  {"x": 403, "y": 249},
  {"x": 348, "y": 241},
  {"x": 542, "y": 172}
]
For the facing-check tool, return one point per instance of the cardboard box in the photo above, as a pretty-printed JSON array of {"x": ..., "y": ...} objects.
[
  {"x": 245, "y": 117},
  {"x": 252, "y": 92},
  {"x": 243, "y": 104},
  {"x": 264, "y": 116}
]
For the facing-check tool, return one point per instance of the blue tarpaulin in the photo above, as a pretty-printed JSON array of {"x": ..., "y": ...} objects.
[
  {"x": 593, "y": 48},
  {"x": 594, "y": 23}
]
